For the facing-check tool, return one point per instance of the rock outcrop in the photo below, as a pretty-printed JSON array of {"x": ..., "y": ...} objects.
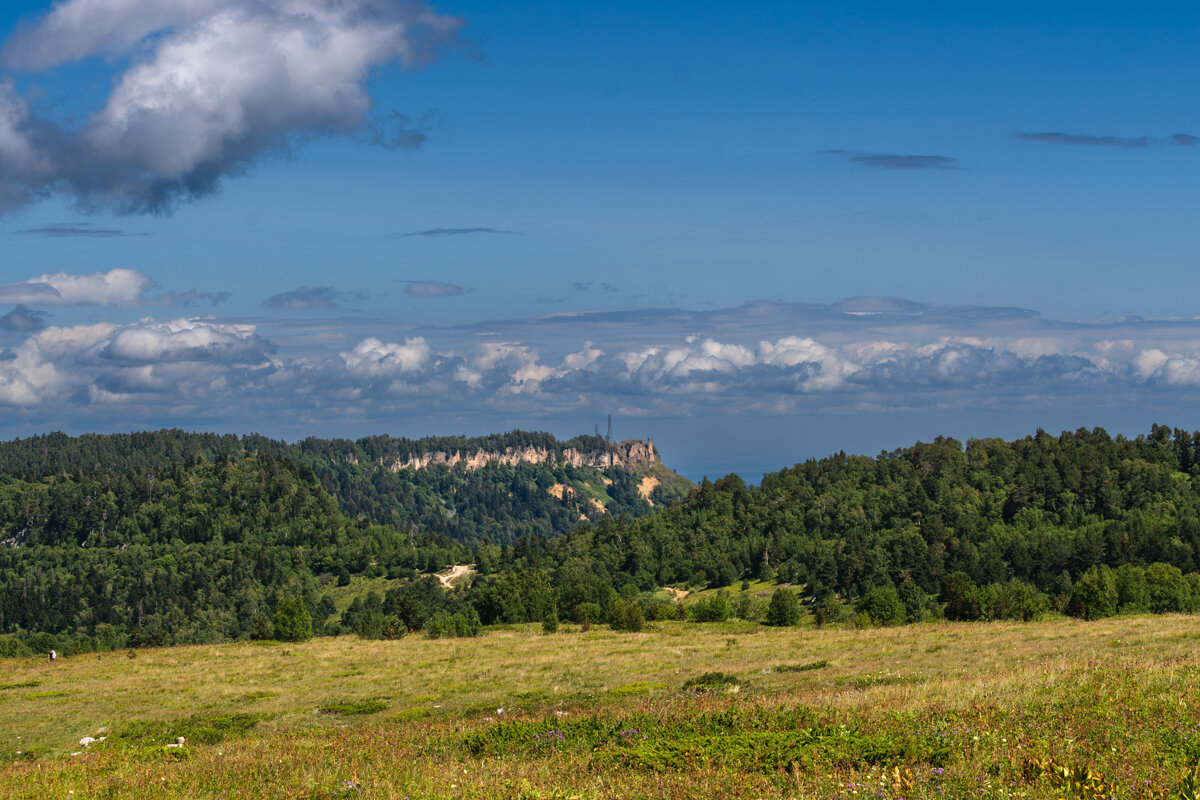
[{"x": 629, "y": 454}]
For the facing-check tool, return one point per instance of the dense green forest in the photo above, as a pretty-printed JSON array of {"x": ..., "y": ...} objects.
[
  {"x": 185, "y": 554},
  {"x": 496, "y": 503},
  {"x": 180, "y": 537},
  {"x": 1042, "y": 510},
  {"x": 172, "y": 537}
]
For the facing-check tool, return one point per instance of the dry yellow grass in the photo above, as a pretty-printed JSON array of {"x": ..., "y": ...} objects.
[{"x": 1103, "y": 694}]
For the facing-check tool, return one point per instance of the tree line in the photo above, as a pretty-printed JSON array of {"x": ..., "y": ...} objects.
[{"x": 208, "y": 544}]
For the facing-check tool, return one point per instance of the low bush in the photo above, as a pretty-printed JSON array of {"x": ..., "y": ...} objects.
[
  {"x": 351, "y": 708},
  {"x": 627, "y": 616},
  {"x": 713, "y": 682}
]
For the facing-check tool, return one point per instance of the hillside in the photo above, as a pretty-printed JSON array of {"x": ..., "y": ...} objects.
[
  {"x": 1042, "y": 510},
  {"x": 172, "y": 537},
  {"x": 497, "y": 488},
  {"x": 1082, "y": 523},
  {"x": 933, "y": 711},
  {"x": 186, "y": 554}
]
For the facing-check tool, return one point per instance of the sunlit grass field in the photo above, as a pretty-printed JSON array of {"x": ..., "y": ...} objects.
[{"x": 1050, "y": 709}]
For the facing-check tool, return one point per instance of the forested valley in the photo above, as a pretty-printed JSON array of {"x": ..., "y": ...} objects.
[{"x": 171, "y": 538}]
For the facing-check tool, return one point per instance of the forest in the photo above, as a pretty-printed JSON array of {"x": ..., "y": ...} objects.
[
  {"x": 173, "y": 537},
  {"x": 497, "y": 503},
  {"x": 989, "y": 529}
]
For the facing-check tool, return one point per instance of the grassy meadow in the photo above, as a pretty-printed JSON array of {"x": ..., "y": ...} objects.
[{"x": 1060, "y": 708}]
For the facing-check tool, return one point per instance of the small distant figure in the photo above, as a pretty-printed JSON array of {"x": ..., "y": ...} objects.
[{"x": 53, "y": 655}]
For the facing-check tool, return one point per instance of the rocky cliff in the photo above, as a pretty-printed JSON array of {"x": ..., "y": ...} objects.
[{"x": 629, "y": 454}]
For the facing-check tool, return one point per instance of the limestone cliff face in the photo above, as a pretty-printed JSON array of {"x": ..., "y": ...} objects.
[{"x": 629, "y": 454}]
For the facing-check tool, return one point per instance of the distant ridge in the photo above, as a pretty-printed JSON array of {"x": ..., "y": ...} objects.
[{"x": 498, "y": 487}]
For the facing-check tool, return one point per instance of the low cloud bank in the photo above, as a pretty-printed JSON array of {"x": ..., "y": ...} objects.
[{"x": 767, "y": 358}]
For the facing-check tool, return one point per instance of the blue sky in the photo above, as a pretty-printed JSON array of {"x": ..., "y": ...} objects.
[{"x": 298, "y": 217}]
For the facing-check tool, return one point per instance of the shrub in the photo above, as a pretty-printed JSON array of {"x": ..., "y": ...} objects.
[
  {"x": 393, "y": 628},
  {"x": 109, "y": 636},
  {"x": 261, "y": 629},
  {"x": 914, "y": 600},
  {"x": 467, "y": 623},
  {"x": 350, "y": 708},
  {"x": 198, "y": 729},
  {"x": 1167, "y": 589},
  {"x": 806, "y": 667},
  {"x": 41, "y": 643},
  {"x": 1013, "y": 600},
  {"x": 750, "y": 608},
  {"x": 882, "y": 605},
  {"x": 1133, "y": 595},
  {"x": 550, "y": 623},
  {"x": 659, "y": 609},
  {"x": 588, "y": 612},
  {"x": 369, "y": 624},
  {"x": 784, "y": 609},
  {"x": 829, "y": 611},
  {"x": 713, "y": 682},
  {"x": 627, "y": 616},
  {"x": 961, "y": 597},
  {"x": 12, "y": 647},
  {"x": 711, "y": 609},
  {"x": 293, "y": 623},
  {"x": 464, "y": 624},
  {"x": 1094, "y": 594}
]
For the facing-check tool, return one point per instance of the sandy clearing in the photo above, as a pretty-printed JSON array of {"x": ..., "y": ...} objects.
[
  {"x": 457, "y": 571},
  {"x": 646, "y": 488}
]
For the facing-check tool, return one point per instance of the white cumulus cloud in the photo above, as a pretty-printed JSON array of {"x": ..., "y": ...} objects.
[
  {"x": 117, "y": 287},
  {"x": 184, "y": 357},
  {"x": 209, "y": 87},
  {"x": 372, "y": 358}
]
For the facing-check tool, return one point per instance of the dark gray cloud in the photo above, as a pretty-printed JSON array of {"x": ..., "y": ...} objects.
[
  {"x": 893, "y": 161},
  {"x": 1184, "y": 139},
  {"x": 76, "y": 230},
  {"x": 192, "y": 298},
  {"x": 452, "y": 232},
  {"x": 396, "y": 131},
  {"x": 206, "y": 90},
  {"x": 431, "y": 289},
  {"x": 23, "y": 320},
  {"x": 872, "y": 305},
  {"x": 1084, "y": 140},
  {"x": 306, "y": 298},
  {"x": 598, "y": 286}
]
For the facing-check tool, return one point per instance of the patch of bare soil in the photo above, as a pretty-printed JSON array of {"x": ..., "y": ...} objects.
[{"x": 457, "y": 571}]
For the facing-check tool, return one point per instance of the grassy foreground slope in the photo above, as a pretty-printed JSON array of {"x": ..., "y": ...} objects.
[{"x": 943, "y": 710}]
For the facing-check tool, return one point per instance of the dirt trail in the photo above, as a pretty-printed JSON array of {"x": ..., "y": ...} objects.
[{"x": 456, "y": 572}]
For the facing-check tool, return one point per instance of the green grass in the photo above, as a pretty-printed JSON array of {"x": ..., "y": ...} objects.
[
  {"x": 359, "y": 586},
  {"x": 998, "y": 710},
  {"x": 806, "y": 667},
  {"x": 353, "y": 708}
]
